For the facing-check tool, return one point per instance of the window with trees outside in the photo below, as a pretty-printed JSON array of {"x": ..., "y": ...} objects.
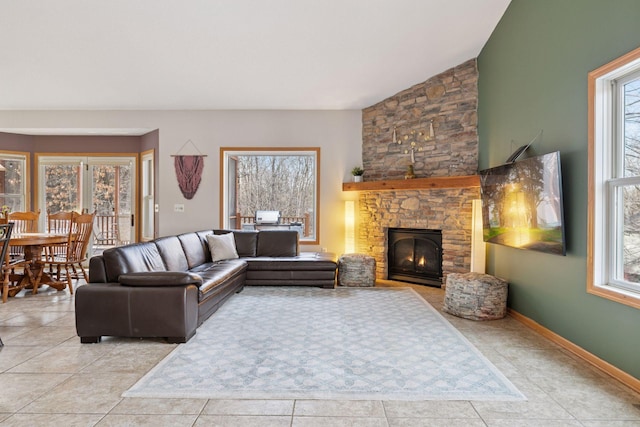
[
  {"x": 13, "y": 181},
  {"x": 281, "y": 183},
  {"x": 614, "y": 180},
  {"x": 104, "y": 184}
]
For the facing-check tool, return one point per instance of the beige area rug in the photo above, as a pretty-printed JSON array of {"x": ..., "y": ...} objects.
[{"x": 345, "y": 343}]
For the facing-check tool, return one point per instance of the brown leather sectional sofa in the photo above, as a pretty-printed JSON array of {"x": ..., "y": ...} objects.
[{"x": 168, "y": 287}]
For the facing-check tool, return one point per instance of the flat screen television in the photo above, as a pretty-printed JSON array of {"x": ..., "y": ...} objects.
[{"x": 522, "y": 204}]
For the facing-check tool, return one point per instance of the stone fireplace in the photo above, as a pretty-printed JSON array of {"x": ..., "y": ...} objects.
[
  {"x": 447, "y": 210},
  {"x": 448, "y": 102},
  {"x": 415, "y": 255}
]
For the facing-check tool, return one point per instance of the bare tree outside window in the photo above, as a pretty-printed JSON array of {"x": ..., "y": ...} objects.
[
  {"x": 105, "y": 194},
  {"x": 631, "y": 193},
  {"x": 62, "y": 188},
  {"x": 277, "y": 183},
  {"x": 12, "y": 171},
  {"x": 279, "y": 180},
  {"x": 100, "y": 184}
]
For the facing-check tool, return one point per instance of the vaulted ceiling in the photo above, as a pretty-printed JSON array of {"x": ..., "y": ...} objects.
[{"x": 230, "y": 54}]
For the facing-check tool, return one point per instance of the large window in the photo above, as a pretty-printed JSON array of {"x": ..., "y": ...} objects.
[
  {"x": 104, "y": 184},
  {"x": 282, "y": 183},
  {"x": 614, "y": 187},
  {"x": 14, "y": 177}
]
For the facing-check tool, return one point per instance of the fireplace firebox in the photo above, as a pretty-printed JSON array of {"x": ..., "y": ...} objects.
[{"x": 415, "y": 255}]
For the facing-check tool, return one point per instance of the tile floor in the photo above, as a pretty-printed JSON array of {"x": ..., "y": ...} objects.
[{"x": 48, "y": 378}]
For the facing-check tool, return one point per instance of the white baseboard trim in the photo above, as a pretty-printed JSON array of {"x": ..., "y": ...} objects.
[{"x": 626, "y": 379}]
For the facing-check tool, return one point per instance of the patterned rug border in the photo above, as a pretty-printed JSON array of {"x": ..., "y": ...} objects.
[{"x": 512, "y": 394}]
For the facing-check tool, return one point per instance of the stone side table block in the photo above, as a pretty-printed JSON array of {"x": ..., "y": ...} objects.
[
  {"x": 356, "y": 270},
  {"x": 475, "y": 296}
]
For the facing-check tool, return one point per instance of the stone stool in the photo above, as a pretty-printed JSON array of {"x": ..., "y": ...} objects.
[
  {"x": 475, "y": 296},
  {"x": 356, "y": 270}
]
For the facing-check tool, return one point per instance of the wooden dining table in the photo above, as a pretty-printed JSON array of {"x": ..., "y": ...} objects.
[{"x": 33, "y": 244}]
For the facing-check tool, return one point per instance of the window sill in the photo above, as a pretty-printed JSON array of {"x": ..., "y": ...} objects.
[{"x": 615, "y": 294}]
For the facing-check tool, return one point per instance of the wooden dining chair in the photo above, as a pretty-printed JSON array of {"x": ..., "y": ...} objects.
[
  {"x": 23, "y": 222},
  {"x": 59, "y": 222},
  {"x": 15, "y": 258},
  {"x": 75, "y": 252},
  {"x": 5, "y": 237},
  {"x": 12, "y": 283}
]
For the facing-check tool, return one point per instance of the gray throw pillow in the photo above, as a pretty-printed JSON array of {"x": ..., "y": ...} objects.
[{"x": 222, "y": 246}]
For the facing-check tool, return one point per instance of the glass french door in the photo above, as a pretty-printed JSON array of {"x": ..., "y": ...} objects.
[{"x": 101, "y": 184}]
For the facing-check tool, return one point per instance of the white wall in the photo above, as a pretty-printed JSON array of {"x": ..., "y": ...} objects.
[{"x": 337, "y": 133}]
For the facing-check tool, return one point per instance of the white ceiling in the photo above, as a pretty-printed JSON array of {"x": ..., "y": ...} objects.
[{"x": 230, "y": 54}]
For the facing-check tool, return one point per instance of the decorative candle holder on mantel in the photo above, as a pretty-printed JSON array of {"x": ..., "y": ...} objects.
[
  {"x": 412, "y": 139},
  {"x": 410, "y": 173}
]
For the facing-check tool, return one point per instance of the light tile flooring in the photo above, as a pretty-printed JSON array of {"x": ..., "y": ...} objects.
[{"x": 48, "y": 378}]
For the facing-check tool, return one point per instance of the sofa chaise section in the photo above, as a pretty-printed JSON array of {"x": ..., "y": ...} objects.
[{"x": 274, "y": 259}]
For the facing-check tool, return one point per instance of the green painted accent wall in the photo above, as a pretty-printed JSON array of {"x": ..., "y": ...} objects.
[{"x": 533, "y": 76}]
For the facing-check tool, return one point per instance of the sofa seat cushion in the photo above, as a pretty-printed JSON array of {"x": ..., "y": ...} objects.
[
  {"x": 306, "y": 261},
  {"x": 218, "y": 273},
  {"x": 306, "y": 269},
  {"x": 160, "y": 278}
]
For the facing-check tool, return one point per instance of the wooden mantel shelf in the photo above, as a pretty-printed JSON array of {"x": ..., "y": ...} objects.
[{"x": 466, "y": 181}]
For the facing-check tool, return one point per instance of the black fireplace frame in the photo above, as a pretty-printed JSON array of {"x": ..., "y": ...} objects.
[{"x": 434, "y": 237}]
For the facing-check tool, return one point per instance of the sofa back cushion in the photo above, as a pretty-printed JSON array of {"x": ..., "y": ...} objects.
[
  {"x": 277, "y": 243},
  {"x": 195, "y": 249},
  {"x": 132, "y": 258},
  {"x": 172, "y": 253},
  {"x": 246, "y": 241}
]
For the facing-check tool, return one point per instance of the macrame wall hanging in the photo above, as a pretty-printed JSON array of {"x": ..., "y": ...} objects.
[{"x": 189, "y": 170}]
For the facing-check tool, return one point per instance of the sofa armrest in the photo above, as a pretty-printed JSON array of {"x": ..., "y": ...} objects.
[
  {"x": 160, "y": 278},
  {"x": 97, "y": 271}
]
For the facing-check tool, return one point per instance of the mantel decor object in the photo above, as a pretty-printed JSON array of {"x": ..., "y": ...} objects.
[
  {"x": 410, "y": 172},
  {"x": 189, "y": 170},
  {"x": 413, "y": 138},
  {"x": 357, "y": 173}
]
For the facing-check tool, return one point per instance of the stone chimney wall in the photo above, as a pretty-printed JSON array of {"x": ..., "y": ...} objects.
[{"x": 448, "y": 100}]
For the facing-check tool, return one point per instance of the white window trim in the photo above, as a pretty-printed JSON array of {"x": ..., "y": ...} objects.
[
  {"x": 614, "y": 186},
  {"x": 602, "y": 188},
  {"x": 148, "y": 207}
]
